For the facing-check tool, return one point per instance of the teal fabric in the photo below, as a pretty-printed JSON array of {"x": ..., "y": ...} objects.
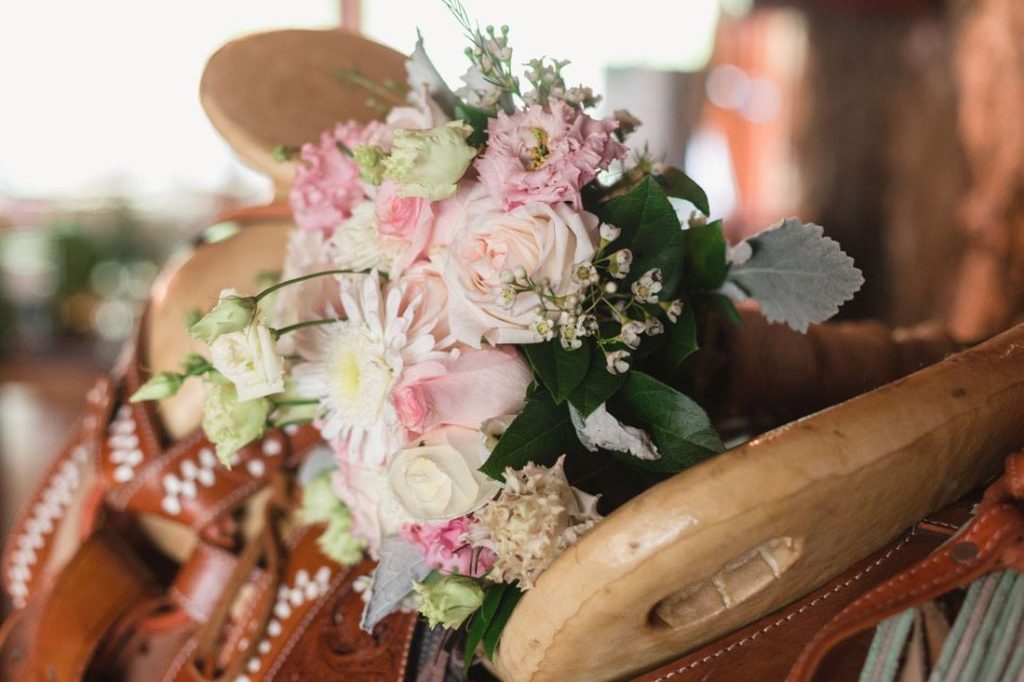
[{"x": 886, "y": 648}]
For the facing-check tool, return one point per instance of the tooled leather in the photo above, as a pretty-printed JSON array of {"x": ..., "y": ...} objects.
[
  {"x": 29, "y": 543},
  {"x": 993, "y": 540}
]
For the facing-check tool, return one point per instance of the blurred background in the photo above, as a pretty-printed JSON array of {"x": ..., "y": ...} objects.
[{"x": 894, "y": 123}]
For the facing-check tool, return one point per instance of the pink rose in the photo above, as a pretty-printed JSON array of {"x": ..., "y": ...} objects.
[
  {"x": 467, "y": 390},
  {"x": 404, "y": 222},
  {"x": 545, "y": 155},
  {"x": 545, "y": 240},
  {"x": 424, "y": 285},
  {"x": 326, "y": 186},
  {"x": 445, "y": 548}
]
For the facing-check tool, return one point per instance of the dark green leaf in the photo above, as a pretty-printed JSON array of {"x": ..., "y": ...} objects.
[
  {"x": 678, "y": 184},
  {"x": 681, "y": 340},
  {"x": 651, "y": 230},
  {"x": 679, "y": 427},
  {"x": 476, "y": 119},
  {"x": 474, "y": 635},
  {"x": 509, "y": 600},
  {"x": 561, "y": 370},
  {"x": 540, "y": 434},
  {"x": 492, "y": 598},
  {"x": 705, "y": 267},
  {"x": 597, "y": 385},
  {"x": 724, "y": 305}
]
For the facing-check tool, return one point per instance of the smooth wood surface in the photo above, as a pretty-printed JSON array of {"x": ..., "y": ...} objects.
[
  {"x": 282, "y": 88},
  {"x": 747, "y": 532}
]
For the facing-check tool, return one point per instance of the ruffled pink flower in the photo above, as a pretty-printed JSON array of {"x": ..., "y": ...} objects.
[
  {"x": 326, "y": 186},
  {"x": 445, "y": 548},
  {"x": 466, "y": 390},
  {"x": 354, "y": 134},
  {"x": 545, "y": 155}
]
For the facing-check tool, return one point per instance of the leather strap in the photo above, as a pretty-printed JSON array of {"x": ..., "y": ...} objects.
[{"x": 993, "y": 540}]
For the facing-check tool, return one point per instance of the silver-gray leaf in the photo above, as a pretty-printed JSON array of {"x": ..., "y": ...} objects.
[
  {"x": 796, "y": 274},
  {"x": 401, "y": 564}
]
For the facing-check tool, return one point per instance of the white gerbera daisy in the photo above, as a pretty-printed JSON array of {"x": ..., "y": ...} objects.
[{"x": 352, "y": 366}]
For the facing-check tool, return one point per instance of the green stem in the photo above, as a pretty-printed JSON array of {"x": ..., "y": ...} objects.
[
  {"x": 278, "y": 333},
  {"x": 295, "y": 280},
  {"x": 296, "y": 402}
]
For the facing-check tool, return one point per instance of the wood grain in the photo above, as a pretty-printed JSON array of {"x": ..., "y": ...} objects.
[{"x": 653, "y": 580}]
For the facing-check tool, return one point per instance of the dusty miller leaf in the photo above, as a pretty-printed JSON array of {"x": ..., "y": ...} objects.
[
  {"x": 401, "y": 563},
  {"x": 796, "y": 274}
]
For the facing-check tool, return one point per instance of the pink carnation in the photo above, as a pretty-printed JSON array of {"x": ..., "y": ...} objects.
[
  {"x": 445, "y": 548},
  {"x": 326, "y": 186},
  {"x": 545, "y": 155}
]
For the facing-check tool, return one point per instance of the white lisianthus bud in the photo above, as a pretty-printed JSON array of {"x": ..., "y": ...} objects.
[
  {"x": 430, "y": 163},
  {"x": 160, "y": 386},
  {"x": 249, "y": 359},
  {"x": 232, "y": 313}
]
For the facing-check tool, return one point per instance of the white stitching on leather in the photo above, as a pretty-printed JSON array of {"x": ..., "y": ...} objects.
[{"x": 790, "y": 616}]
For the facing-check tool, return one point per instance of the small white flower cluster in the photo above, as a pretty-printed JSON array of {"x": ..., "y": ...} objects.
[
  {"x": 596, "y": 304},
  {"x": 491, "y": 59},
  {"x": 548, "y": 83}
]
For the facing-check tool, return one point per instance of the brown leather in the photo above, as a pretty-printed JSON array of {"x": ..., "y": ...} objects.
[
  {"x": 993, "y": 540},
  {"x": 766, "y": 649},
  {"x": 56, "y": 638}
]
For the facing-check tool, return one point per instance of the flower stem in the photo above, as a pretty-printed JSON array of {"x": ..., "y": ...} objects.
[
  {"x": 278, "y": 333},
  {"x": 295, "y": 280}
]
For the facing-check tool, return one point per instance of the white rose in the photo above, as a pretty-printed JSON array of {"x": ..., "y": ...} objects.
[
  {"x": 545, "y": 240},
  {"x": 440, "y": 480},
  {"x": 249, "y": 360}
]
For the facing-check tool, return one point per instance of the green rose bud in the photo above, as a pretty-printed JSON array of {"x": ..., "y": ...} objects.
[
  {"x": 163, "y": 385},
  {"x": 231, "y": 314},
  {"x": 370, "y": 161},
  {"x": 337, "y": 541},
  {"x": 430, "y": 163},
  {"x": 448, "y": 600},
  {"x": 231, "y": 424}
]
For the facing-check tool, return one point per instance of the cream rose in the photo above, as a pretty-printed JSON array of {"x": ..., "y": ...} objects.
[
  {"x": 249, "y": 360},
  {"x": 440, "y": 480},
  {"x": 545, "y": 240}
]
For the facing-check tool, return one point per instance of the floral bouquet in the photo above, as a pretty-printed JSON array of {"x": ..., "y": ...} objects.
[{"x": 485, "y": 310}]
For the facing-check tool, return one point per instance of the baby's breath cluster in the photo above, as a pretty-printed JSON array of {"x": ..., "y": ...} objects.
[
  {"x": 491, "y": 57},
  {"x": 600, "y": 306}
]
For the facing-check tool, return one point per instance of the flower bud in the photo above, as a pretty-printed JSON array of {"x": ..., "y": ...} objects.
[
  {"x": 231, "y": 314},
  {"x": 448, "y": 600},
  {"x": 161, "y": 386}
]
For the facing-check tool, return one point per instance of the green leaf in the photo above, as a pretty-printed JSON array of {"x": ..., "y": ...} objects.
[
  {"x": 705, "y": 267},
  {"x": 597, "y": 385},
  {"x": 679, "y": 427},
  {"x": 724, "y": 305},
  {"x": 559, "y": 369},
  {"x": 651, "y": 230},
  {"x": 678, "y": 184},
  {"x": 474, "y": 635},
  {"x": 476, "y": 119},
  {"x": 489, "y": 621},
  {"x": 681, "y": 340},
  {"x": 540, "y": 434},
  {"x": 509, "y": 599}
]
